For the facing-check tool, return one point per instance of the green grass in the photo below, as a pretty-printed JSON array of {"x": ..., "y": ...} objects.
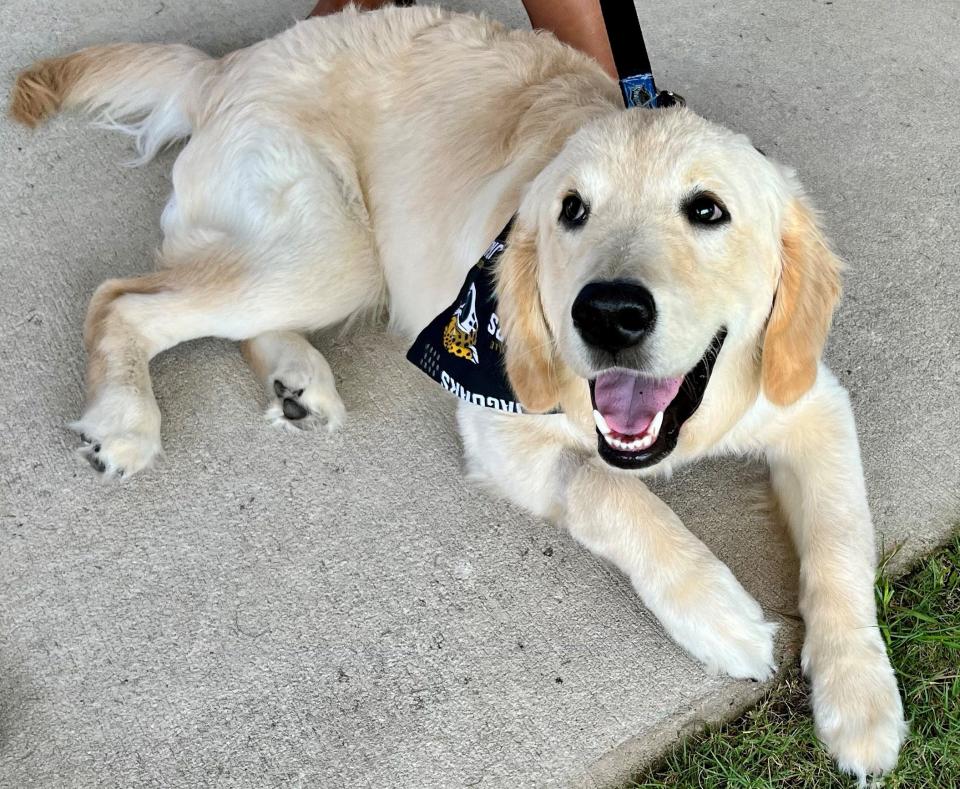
[{"x": 774, "y": 745}]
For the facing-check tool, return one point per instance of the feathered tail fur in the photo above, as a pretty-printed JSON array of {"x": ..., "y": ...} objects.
[{"x": 151, "y": 91}]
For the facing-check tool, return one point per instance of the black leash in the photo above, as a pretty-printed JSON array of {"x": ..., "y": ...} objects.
[{"x": 630, "y": 57}]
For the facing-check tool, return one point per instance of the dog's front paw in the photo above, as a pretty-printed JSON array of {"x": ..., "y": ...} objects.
[
  {"x": 856, "y": 704},
  {"x": 119, "y": 444},
  {"x": 305, "y": 404},
  {"x": 714, "y": 618}
]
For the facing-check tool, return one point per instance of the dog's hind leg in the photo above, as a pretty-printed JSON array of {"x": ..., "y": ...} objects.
[
  {"x": 129, "y": 321},
  {"x": 121, "y": 425},
  {"x": 214, "y": 292},
  {"x": 301, "y": 391}
]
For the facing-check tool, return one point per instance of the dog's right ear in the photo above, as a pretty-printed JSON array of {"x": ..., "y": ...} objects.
[{"x": 529, "y": 347}]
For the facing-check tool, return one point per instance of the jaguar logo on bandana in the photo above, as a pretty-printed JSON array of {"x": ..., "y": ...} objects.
[
  {"x": 460, "y": 334},
  {"x": 462, "y": 348}
]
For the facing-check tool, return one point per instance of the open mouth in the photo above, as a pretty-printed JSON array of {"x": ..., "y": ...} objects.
[{"x": 639, "y": 417}]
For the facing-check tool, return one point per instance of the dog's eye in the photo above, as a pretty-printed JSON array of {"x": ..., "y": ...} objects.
[
  {"x": 574, "y": 211},
  {"x": 704, "y": 209}
]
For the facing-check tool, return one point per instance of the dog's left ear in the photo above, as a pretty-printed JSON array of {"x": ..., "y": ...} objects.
[
  {"x": 528, "y": 344},
  {"x": 803, "y": 307}
]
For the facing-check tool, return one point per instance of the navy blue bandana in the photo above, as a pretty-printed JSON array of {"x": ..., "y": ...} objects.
[{"x": 462, "y": 348}]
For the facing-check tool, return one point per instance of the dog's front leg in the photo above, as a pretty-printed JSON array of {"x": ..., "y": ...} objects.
[
  {"x": 694, "y": 595},
  {"x": 817, "y": 475},
  {"x": 691, "y": 592}
]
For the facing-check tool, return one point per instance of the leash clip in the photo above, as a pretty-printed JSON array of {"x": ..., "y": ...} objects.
[{"x": 640, "y": 90}]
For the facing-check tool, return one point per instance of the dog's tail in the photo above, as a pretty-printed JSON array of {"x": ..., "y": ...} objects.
[{"x": 151, "y": 91}]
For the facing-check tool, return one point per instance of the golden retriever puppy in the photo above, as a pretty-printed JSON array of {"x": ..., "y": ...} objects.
[{"x": 664, "y": 285}]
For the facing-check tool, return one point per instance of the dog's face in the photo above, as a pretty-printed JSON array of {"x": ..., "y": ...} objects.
[{"x": 651, "y": 247}]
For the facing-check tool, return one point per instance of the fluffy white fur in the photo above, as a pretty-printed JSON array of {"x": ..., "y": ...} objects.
[{"x": 362, "y": 161}]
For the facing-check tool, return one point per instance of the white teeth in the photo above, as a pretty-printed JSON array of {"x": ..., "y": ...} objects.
[
  {"x": 601, "y": 422},
  {"x": 654, "y": 429},
  {"x": 637, "y": 444}
]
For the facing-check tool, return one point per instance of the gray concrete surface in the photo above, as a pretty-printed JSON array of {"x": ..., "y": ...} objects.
[{"x": 274, "y": 610}]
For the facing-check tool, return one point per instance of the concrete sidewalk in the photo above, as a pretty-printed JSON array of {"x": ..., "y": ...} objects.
[{"x": 264, "y": 609}]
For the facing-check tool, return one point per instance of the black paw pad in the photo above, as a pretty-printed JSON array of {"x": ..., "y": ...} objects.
[
  {"x": 288, "y": 398},
  {"x": 292, "y": 409}
]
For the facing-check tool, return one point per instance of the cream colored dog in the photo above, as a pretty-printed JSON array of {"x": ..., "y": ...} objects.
[{"x": 665, "y": 284}]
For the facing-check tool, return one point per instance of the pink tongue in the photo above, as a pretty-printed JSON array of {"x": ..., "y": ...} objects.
[{"x": 629, "y": 402}]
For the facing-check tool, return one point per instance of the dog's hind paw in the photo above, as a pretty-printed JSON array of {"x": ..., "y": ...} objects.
[
  {"x": 118, "y": 455},
  {"x": 120, "y": 434},
  {"x": 308, "y": 407}
]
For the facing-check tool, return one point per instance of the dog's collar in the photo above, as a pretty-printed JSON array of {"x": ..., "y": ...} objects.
[{"x": 462, "y": 348}]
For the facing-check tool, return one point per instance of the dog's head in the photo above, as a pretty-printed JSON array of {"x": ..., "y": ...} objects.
[{"x": 654, "y": 251}]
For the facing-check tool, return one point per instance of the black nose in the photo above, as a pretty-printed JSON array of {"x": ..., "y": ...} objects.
[{"x": 614, "y": 315}]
